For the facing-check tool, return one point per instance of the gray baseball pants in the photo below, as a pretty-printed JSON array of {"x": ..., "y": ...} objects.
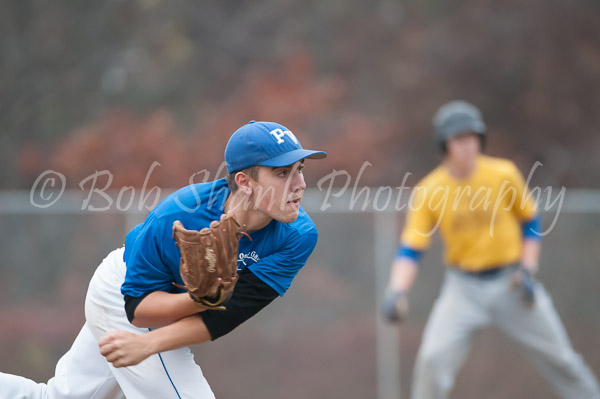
[{"x": 468, "y": 303}]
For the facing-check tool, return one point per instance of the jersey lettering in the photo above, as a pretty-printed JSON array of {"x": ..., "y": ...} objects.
[{"x": 250, "y": 256}]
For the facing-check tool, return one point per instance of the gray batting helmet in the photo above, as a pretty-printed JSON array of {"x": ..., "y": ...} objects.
[{"x": 457, "y": 117}]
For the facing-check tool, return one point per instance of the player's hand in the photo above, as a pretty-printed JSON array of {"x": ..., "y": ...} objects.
[
  {"x": 395, "y": 306},
  {"x": 215, "y": 291},
  {"x": 123, "y": 348},
  {"x": 524, "y": 282},
  {"x": 224, "y": 285}
]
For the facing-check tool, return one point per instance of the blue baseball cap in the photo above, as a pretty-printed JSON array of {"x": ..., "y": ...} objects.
[{"x": 265, "y": 144}]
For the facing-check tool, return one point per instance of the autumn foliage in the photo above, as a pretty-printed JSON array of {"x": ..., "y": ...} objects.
[{"x": 128, "y": 144}]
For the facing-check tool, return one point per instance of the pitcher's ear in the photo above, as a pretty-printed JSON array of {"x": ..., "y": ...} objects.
[{"x": 244, "y": 182}]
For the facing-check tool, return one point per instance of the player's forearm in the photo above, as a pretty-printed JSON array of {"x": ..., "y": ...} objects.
[
  {"x": 530, "y": 254},
  {"x": 162, "y": 308},
  {"x": 403, "y": 274},
  {"x": 185, "y": 332}
]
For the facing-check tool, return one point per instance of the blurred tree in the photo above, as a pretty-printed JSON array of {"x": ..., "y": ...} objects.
[{"x": 531, "y": 67}]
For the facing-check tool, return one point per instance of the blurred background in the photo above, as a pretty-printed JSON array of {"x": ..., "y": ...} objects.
[{"x": 150, "y": 90}]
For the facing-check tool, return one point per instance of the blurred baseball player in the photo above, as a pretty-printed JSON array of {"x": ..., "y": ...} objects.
[
  {"x": 488, "y": 223},
  {"x": 132, "y": 291}
]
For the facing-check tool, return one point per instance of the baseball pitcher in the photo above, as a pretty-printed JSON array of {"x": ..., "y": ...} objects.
[{"x": 207, "y": 258}]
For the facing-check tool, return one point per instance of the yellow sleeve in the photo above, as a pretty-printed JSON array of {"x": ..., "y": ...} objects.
[
  {"x": 525, "y": 206},
  {"x": 418, "y": 228}
]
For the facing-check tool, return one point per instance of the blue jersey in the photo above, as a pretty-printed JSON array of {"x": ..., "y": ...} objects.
[{"x": 275, "y": 255}]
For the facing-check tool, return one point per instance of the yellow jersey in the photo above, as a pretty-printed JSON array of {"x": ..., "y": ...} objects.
[{"x": 479, "y": 217}]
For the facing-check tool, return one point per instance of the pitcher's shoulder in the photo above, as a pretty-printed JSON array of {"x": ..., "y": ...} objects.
[
  {"x": 209, "y": 197},
  {"x": 304, "y": 224}
]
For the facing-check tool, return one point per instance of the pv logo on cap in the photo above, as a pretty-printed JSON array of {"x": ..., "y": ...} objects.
[{"x": 279, "y": 135}]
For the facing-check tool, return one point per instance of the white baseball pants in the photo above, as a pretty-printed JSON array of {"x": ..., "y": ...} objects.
[
  {"x": 468, "y": 303},
  {"x": 83, "y": 373}
]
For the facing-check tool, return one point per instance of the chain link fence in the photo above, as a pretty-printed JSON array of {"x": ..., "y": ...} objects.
[{"x": 324, "y": 338}]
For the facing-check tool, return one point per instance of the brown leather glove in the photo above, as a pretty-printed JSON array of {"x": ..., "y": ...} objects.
[{"x": 209, "y": 261}]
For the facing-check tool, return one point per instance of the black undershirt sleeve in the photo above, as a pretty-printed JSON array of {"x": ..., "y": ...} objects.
[
  {"x": 250, "y": 295},
  {"x": 131, "y": 303}
]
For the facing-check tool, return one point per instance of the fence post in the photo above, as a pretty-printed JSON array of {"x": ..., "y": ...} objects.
[{"x": 388, "y": 353}]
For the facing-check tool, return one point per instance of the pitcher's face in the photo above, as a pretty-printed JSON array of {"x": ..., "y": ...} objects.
[{"x": 277, "y": 192}]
